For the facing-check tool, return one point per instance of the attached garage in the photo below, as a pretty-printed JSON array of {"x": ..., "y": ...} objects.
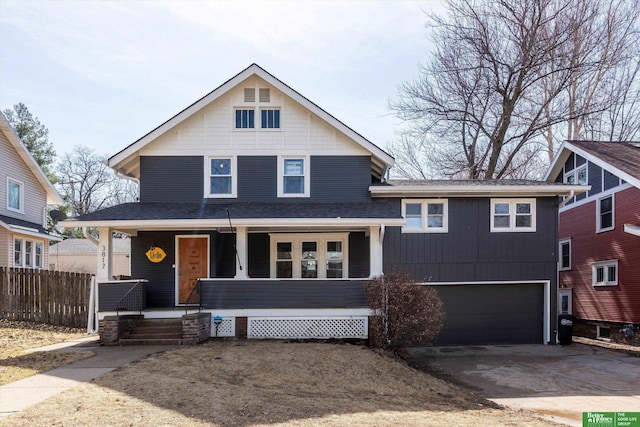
[{"x": 494, "y": 313}]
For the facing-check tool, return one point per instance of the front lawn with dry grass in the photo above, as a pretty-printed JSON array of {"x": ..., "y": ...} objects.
[
  {"x": 16, "y": 337},
  {"x": 268, "y": 383}
]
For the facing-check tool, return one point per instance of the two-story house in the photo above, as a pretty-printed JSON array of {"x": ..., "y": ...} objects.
[
  {"x": 25, "y": 192},
  {"x": 270, "y": 213},
  {"x": 599, "y": 238}
]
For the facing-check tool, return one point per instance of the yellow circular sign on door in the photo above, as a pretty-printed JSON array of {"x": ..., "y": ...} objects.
[{"x": 156, "y": 254}]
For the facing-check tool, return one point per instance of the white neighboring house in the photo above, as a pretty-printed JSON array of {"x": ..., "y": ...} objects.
[
  {"x": 25, "y": 192},
  {"x": 81, "y": 255}
]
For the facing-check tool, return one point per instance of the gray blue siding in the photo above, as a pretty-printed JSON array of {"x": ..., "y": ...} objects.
[
  {"x": 181, "y": 178},
  {"x": 470, "y": 252},
  {"x": 171, "y": 179},
  {"x": 217, "y": 294}
]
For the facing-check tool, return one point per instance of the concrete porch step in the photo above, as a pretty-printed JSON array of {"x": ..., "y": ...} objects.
[{"x": 153, "y": 341}]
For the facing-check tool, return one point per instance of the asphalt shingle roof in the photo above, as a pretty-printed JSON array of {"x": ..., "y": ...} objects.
[
  {"x": 624, "y": 156},
  {"x": 22, "y": 223},
  {"x": 245, "y": 210}
]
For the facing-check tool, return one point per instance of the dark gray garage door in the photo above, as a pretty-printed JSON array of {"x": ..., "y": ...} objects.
[{"x": 492, "y": 314}]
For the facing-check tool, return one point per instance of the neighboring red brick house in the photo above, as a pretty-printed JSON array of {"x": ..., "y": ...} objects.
[{"x": 599, "y": 239}]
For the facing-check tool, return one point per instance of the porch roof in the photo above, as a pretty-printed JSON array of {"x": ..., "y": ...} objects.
[
  {"x": 25, "y": 227},
  {"x": 215, "y": 214}
]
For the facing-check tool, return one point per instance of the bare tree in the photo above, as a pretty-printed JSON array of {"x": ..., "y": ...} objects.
[
  {"x": 505, "y": 75},
  {"x": 87, "y": 184}
]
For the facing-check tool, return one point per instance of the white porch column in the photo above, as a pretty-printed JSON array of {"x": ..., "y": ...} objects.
[
  {"x": 105, "y": 254},
  {"x": 241, "y": 249},
  {"x": 375, "y": 251}
]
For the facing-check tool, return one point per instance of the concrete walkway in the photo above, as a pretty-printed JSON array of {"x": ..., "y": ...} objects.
[{"x": 27, "y": 392}]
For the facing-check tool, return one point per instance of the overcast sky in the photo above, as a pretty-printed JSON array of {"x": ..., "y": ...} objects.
[{"x": 105, "y": 73}]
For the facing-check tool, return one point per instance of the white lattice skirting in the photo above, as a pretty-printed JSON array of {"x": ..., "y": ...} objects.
[
  {"x": 225, "y": 329},
  {"x": 298, "y": 327}
]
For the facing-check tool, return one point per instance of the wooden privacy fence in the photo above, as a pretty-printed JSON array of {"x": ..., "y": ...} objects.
[{"x": 53, "y": 297}]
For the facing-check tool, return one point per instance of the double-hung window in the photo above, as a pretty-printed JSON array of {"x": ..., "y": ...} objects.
[
  {"x": 564, "y": 250},
  {"x": 293, "y": 177},
  {"x": 509, "y": 215},
  {"x": 221, "y": 181},
  {"x": 425, "y": 216},
  {"x": 17, "y": 252},
  {"x": 605, "y": 218},
  {"x": 15, "y": 195},
  {"x": 605, "y": 273}
]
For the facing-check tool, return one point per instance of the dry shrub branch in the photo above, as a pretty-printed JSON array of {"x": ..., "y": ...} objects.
[{"x": 406, "y": 313}]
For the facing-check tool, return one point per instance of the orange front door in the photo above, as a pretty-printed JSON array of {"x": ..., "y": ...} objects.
[{"x": 192, "y": 265}]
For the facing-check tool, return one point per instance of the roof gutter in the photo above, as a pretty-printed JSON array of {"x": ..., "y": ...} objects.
[
  {"x": 566, "y": 199},
  {"x": 477, "y": 190}
]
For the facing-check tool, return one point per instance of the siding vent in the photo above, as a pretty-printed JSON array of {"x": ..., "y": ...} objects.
[
  {"x": 250, "y": 94},
  {"x": 265, "y": 95}
]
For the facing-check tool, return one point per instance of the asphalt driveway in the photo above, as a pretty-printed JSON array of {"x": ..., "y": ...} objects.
[{"x": 557, "y": 382}]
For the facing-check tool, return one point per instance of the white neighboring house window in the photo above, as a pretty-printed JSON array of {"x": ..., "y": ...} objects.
[
  {"x": 425, "y": 215},
  {"x": 38, "y": 255},
  {"x": 293, "y": 176},
  {"x": 27, "y": 253},
  {"x": 513, "y": 215},
  {"x": 15, "y": 195},
  {"x": 605, "y": 214},
  {"x": 605, "y": 273},
  {"x": 17, "y": 252},
  {"x": 221, "y": 177},
  {"x": 564, "y": 252}
]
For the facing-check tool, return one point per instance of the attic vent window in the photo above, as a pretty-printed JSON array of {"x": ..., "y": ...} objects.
[
  {"x": 250, "y": 94},
  {"x": 265, "y": 95}
]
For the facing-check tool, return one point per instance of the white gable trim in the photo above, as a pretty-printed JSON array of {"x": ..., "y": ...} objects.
[
  {"x": 53, "y": 198},
  {"x": 566, "y": 149},
  {"x": 384, "y": 159}
]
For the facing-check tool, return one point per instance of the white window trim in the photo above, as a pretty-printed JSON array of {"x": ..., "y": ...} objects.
[
  {"x": 605, "y": 265},
  {"x": 307, "y": 176},
  {"x": 599, "y": 228},
  {"x": 599, "y": 336},
  {"x": 560, "y": 243},
  {"x": 234, "y": 177},
  {"x": 23, "y": 253},
  {"x": 21, "y": 184},
  {"x": 512, "y": 216},
  {"x": 424, "y": 228},
  {"x": 296, "y": 245}
]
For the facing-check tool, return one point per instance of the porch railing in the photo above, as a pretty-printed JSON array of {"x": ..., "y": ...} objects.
[
  {"x": 135, "y": 297},
  {"x": 187, "y": 304}
]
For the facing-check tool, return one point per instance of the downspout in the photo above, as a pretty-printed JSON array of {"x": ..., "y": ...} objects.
[
  {"x": 92, "y": 325},
  {"x": 381, "y": 239}
]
